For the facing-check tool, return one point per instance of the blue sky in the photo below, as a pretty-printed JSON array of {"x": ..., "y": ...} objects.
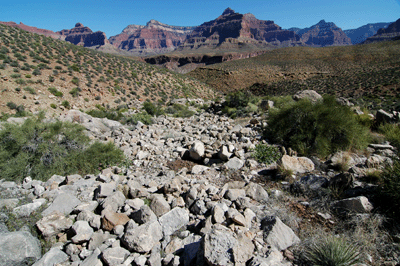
[{"x": 113, "y": 16}]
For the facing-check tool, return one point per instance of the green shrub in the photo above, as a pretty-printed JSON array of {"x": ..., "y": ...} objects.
[
  {"x": 66, "y": 104},
  {"x": 11, "y": 105},
  {"x": 178, "y": 110},
  {"x": 240, "y": 104},
  {"x": 392, "y": 133},
  {"x": 55, "y": 92},
  {"x": 20, "y": 81},
  {"x": 75, "y": 92},
  {"x": 390, "y": 189},
  {"x": 332, "y": 251},
  {"x": 321, "y": 128},
  {"x": 152, "y": 109},
  {"x": 75, "y": 81},
  {"x": 30, "y": 90},
  {"x": 41, "y": 150},
  {"x": 53, "y": 105},
  {"x": 36, "y": 72},
  {"x": 143, "y": 117},
  {"x": 266, "y": 153}
]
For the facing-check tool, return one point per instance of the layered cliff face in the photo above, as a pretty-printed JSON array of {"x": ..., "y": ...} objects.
[
  {"x": 154, "y": 38},
  {"x": 362, "y": 33},
  {"x": 84, "y": 36},
  {"x": 392, "y": 32},
  {"x": 323, "y": 34},
  {"x": 232, "y": 27}
]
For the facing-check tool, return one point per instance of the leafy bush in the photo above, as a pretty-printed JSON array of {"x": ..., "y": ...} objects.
[
  {"x": 11, "y": 105},
  {"x": 30, "y": 90},
  {"x": 266, "y": 153},
  {"x": 332, "y": 251},
  {"x": 75, "y": 92},
  {"x": 178, "y": 110},
  {"x": 240, "y": 103},
  {"x": 66, "y": 104},
  {"x": 143, "y": 117},
  {"x": 321, "y": 128},
  {"x": 392, "y": 133},
  {"x": 41, "y": 149},
  {"x": 152, "y": 109},
  {"x": 55, "y": 92},
  {"x": 390, "y": 189}
]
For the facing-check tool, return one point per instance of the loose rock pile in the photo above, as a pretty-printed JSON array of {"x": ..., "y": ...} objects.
[{"x": 148, "y": 214}]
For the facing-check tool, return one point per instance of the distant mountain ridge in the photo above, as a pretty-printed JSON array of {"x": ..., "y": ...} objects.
[
  {"x": 392, "y": 32},
  {"x": 236, "y": 29},
  {"x": 231, "y": 31},
  {"x": 362, "y": 33},
  {"x": 155, "y": 37},
  {"x": 323, "y": 34}
]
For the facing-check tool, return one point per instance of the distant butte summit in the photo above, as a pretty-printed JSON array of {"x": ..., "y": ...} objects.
[
  {"x": 323, "y": 34},
  {"x": 84, "y": 36}
]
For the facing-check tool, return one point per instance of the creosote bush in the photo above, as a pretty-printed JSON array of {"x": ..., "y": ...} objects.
[
  {"x": 266, "y": 153},
  {"x": 332, "y": 251},
  {"x": 321, "y": 128},
  {"x": 40, "y": 150},
  {"x": 389, "y": 197}
]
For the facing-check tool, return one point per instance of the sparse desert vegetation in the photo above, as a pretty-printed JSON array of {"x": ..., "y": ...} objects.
[
  {"x": 36, "y": 63},
  {"x": 324, "y": 174}
]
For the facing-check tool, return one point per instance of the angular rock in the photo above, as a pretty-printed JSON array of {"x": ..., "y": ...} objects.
[
  {"x": 111, "y": 219},
  {"x": 173, "y": 220},
  {"x": 27, "y": 209},
  {"x": 159, "y": 205},
  {"x": 234, "y": 163},
  {"x": 63, "y": 203},
  {"x": 52, "y": 257},
  {"x": 113, "y": 202},
  {"x": 311, "y": 95},
  {"x": 144, "y": 215},
  {"x": 277, "y": 234},
  {"x": 197, "y": 151},
  {"x": 224, "y": 153},
  {"x": 234, "y": 194},
  {"x": 218, "y": 247},
  {"x": 198, "y": 169},
  {"x": 218, "y": 214},
  {"x": 256, "y": 192},
  {"x": 358, "y": 204},
  {"x": 94, "y": 220},
  {"x": 298, "y": 165},
  {"x": 114, "y": 256},
  {"x": 243, "y": 250},
  {"x": 83, "y": 232},
  {"x": 143, "y": 238},
  {"x": 53, "y": 224},
  {"x": 93, "y": 259},
  {"x": 19, "y": 248}
]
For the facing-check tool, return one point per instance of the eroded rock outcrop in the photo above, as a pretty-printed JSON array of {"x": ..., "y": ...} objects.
[
  {"x": 84, "y": 36},
  {"x": 323, "y": 34},
  {"x": 154, "y": 38}
]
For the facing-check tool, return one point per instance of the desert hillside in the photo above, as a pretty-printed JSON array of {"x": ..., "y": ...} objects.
[{"x": 40, "y": 73}]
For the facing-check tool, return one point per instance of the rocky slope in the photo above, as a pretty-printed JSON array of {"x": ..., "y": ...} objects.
[
  {"x": 154, "y": 38},
  {"x": 362, "y": 33},
  {"x": 323, "y": 34},
  {"x": 84, "y": 36},
  {"x": 392, "y": 32},
  {"x": 31, "y": 29},
  {"x": 166, "y": 211}
]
